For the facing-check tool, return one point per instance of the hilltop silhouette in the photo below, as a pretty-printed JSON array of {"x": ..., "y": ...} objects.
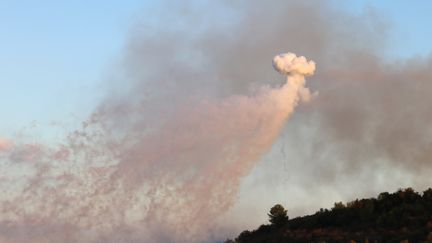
[{"x": 402, "y": 216}]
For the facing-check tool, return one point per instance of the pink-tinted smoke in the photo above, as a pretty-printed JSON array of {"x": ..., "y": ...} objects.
[
  {"x": 147, "y": 182},
  {"x": 5, "y": 144}
]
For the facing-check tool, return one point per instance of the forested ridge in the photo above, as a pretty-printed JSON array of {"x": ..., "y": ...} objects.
[{"x": 402, "y": 216}]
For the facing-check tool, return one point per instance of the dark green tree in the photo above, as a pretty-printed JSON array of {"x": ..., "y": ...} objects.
[
  {"x": 278, "y": 215},
  {"x": 427, "y": 195}
]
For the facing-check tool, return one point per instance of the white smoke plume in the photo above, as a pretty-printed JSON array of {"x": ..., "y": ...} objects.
[
  {"x": 293, "y": 66},
  {"x": 289, "y": 64},
  {"x": 164, "y": 183}
]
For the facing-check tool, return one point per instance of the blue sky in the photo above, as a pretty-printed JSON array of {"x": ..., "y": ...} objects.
[
  {"x": 409, "y": 21},
  {"x": 54, "y": 54}
]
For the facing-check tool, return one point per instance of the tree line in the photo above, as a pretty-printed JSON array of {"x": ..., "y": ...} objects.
[{"x": 402, "y": 216}]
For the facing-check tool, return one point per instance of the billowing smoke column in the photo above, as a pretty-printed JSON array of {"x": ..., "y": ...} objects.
[
  {"x": 166, "y": 183},
  {"x": 296, "y": 68}
]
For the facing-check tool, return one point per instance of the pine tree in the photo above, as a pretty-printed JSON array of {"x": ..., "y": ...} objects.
[{"x": 278, "y": 215}]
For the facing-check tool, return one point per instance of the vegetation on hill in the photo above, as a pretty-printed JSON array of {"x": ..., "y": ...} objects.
[{"x": 402, "y": 216}]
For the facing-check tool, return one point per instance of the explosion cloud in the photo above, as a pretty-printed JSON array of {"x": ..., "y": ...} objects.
[{"x": 289, "y": 64}]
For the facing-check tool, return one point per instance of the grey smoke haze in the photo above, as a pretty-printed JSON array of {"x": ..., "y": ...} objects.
[{"x": 144, "y": 167}]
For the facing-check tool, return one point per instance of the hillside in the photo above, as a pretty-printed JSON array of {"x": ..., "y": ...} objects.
[{"x": 402, "y": 216}]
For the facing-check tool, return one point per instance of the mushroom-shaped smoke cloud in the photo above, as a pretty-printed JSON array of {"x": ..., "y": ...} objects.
[
  {"x": 290, "y": 63},
  {"x": 295, "y": 68}
]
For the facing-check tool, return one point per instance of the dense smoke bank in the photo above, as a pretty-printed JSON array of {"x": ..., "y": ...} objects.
[{"x": 165, "y": 183}]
